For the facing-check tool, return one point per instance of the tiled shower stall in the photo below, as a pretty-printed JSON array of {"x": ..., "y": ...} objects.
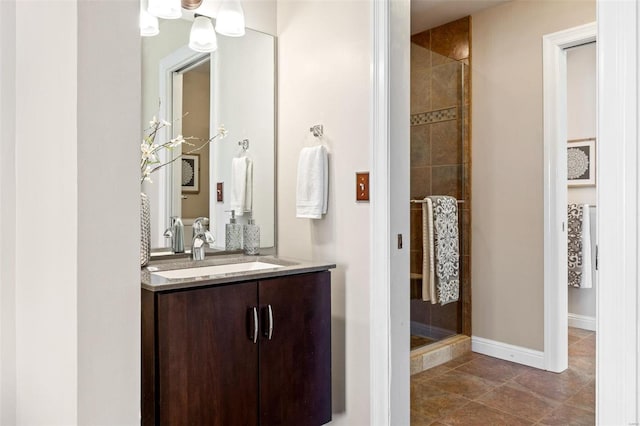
[{"x": 440, "y": 165}]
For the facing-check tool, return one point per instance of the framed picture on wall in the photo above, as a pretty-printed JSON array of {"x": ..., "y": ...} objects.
[
  {"x": 191, "y": 173},
  {"x": 581, "y": 162}
]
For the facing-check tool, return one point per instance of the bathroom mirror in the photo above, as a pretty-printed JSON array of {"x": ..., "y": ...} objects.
[{"x": 198, "y": 92}]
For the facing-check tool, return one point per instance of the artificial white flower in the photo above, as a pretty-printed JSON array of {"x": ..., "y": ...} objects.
[
  {"x": 178, "y": 140},
  {"x": 150, "y": 162}
]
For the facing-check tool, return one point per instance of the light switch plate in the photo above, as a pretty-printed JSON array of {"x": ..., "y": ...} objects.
[{"x": 362, "y": 186}]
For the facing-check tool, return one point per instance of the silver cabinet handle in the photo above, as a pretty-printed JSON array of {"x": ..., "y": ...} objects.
[
  {"x": 270, "y": 333},
  {"x": 255, "y": 325}
]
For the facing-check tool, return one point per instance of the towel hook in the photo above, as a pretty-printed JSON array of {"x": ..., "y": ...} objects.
[
  {"x": 317, "y": 130},
  {"x": 244, "y": 144}
]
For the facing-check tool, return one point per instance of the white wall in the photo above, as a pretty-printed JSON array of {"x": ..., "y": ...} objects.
[
  {"x": 7, "y": 213},
  {"x": 71, "y": 329},
  {"x": 507, "y": 173},
  {"x": 108, "y": 209},
  {"x": 243, "y": 89},
  {"x": 581, "y": 124},
  {"x": 581, "y": 108},
  {"x": 324, "y": 78},
  {"x": 46, "y": 213}
]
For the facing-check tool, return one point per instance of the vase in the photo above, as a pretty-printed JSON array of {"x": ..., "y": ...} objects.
[{"x": 145, "y": 229}]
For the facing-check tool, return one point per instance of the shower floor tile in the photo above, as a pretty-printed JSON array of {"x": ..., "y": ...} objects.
[
  {"x": 476, "y": 389},
  {"x": 417, "y": 341}
]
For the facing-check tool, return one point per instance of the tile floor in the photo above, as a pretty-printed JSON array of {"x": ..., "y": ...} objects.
[{"x": 479, "y": 390}]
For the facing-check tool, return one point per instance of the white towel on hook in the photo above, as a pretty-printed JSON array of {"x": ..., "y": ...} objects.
[
  {"x": 241, "y": 185},
  {"x": 312, "y": 188}
]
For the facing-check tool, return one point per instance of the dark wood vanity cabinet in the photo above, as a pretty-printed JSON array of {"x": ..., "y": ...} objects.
[{"x": 204, "y": 362}]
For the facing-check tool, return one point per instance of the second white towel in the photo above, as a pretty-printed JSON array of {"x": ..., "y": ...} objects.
[
  {"x": 241, "y": 185},
  {"x": 312, "y": 188}
]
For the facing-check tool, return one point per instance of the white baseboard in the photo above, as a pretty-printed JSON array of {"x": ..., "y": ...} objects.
[
  {"x": 582, "y": 321},
  {"x": 508, "y": 352}
]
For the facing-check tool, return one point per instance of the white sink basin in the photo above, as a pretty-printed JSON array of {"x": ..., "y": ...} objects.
[{"x": 205, "y": 271}]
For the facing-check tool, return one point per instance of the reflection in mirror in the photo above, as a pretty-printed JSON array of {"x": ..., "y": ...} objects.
[{"x": 198, "y": 92}]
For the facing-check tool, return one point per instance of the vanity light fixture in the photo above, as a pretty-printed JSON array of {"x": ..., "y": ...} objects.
[
  {"x": 191, "y": 4},
  {"x": 202, "y": 37},
  {"x": 165, "y": 9},
  {"x": 148, "y": 24},
  {"x": 230, "y": 19}
]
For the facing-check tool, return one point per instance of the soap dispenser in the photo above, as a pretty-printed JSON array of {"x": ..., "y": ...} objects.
[
  {"x": 251, "y": 237},
  {"x": 233, "y": 234},
  {"x": 177, "y": 227}
]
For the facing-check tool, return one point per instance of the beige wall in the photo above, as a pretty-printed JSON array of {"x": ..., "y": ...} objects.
[
  {"x": 324, "y": 78},
  {"x": 195, "y": 102},
  {"x": 507, "y": 175}
]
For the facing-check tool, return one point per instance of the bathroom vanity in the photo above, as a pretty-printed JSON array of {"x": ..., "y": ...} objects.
[{"x": 236, "y": 340}]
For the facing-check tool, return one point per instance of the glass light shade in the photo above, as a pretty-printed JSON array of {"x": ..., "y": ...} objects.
[
  {"x": 191, "y": 4},
  {"x": 230, "y": 19},
  {"x": 148, "y": 24},
  {"x": 165, "y": 9},
  {"x": 202, "y": 37}
]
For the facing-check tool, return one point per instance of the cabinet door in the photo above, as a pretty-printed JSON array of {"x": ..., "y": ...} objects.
[
  {"x": 207, "y": 361},
  {"x": 295, "y": 363}
]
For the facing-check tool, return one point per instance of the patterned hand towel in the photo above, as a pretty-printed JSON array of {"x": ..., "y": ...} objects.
[
  {"x": 579, "y": 246},
  {"x": 446, "y": 249}
]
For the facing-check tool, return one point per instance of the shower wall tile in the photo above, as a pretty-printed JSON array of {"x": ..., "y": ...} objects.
[
  {"x": 466, "y": 140},
  {"x": 467, "y": 84},
  {"x": 466, "y": 294},
  {"x": 446, "y": 180},
  {"x": 416, "y": 226},
  {"x": 445, "y": 317},
  {"x": 416, "y": 261},
  {"x": 420, "y": 146},
  {"x": 466, "y": 184},
  {"x": 451, "y": 40},
  {"x": 420, "y": 79},
  {"x": 422, "y": 39},
  {"x": 445, "y": 143},
  {"x": 420, "y": 182},
  {"x": 445, "y": 85},
  {"x": 465, "y": 228}
]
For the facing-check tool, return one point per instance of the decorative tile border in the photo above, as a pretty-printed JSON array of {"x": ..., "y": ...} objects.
[{"x": 434, "y": 116}]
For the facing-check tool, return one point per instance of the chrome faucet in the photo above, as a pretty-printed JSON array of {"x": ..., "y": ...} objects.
[
  {"x": 201, "y": 236},
  {"x": 176, "y": 233}
]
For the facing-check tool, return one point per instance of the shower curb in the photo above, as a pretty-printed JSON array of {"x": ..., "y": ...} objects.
[{"x": 437, "y": 353}]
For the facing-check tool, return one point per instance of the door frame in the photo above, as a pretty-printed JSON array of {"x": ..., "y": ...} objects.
[
  {"x": 389, "y": 217},
  {"x": 169, "y": 201},
  {"x": 618, "y": 322},
  {"x": 617, "y": 310},
  {"x": 554, "y": 46}
]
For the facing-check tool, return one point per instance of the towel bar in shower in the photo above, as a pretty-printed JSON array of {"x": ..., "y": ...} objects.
[{"x": 422, "y": 201}]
